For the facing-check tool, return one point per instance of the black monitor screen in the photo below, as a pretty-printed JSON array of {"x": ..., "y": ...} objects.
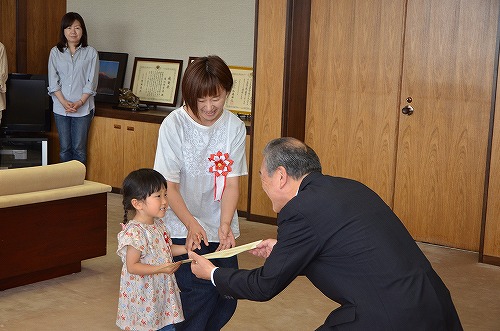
[{"x": 28, "y": 105}]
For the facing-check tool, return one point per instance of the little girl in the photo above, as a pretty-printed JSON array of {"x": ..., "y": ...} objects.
[{"x": 149, "y": 297}]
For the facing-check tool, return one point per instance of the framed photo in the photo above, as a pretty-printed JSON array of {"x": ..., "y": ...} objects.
[
  {"x": 156, "y": 81},
  {"x": 191, "y": 59},
  {"x": 111, "y": 75},
  {"x": 239, "y": 100}
]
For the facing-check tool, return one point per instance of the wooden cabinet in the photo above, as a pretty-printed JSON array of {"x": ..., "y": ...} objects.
[{"x": 116, "y": 147}]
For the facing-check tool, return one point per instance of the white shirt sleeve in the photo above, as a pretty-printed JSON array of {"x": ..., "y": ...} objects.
[
  {"x": 169, "y": 156},
  {"x": 212, "y": 275}
]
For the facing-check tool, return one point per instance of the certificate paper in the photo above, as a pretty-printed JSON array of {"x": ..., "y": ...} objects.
[
  {"x": 228, "y": 252},
  {"x": 156, "y": 81},
  {"x": 239, "y": 100}
]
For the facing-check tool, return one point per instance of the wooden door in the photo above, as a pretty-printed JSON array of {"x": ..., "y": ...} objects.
[
  {"x": 448, "y": 71},
  {"x": 355, "y": 58}
]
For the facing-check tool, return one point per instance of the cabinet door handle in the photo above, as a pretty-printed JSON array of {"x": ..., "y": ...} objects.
[
  {"x": 117, "y": 126},
  {"x": 130, "y": 128}
]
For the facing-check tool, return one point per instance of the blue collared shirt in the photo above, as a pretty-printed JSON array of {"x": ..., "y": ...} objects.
[{"x": 73, "y": 76}]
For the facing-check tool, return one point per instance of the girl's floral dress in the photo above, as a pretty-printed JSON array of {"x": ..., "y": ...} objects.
[{"x": 153, "y": 301}]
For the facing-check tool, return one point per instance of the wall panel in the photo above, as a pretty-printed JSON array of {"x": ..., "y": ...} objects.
[{"x": 268, "y": 93}]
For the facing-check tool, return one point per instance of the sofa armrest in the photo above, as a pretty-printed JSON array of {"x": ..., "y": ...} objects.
[
  {"x": 87, "y": 188},
  {"x": 39, "y": 178}
]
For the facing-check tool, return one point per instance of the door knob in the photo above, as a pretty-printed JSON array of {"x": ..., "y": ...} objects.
[{"x": 407, "y": 110}]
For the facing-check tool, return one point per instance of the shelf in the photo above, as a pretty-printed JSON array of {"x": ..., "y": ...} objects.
[{"x": 22, "y": 152}]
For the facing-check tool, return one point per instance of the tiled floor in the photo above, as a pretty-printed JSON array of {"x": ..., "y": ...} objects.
[{"x": 87, "y": 300}]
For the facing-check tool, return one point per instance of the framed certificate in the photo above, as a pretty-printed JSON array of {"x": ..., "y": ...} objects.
[
  {"x": 156, "y": 81},
  {"x": 239, "y": 100}
]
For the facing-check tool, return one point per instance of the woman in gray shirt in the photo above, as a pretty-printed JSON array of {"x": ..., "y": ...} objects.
[{"x": 73, "y": 75}]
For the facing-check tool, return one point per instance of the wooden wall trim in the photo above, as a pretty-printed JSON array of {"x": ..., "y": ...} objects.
[
  {"x": 262, "y": 219},
  {"x": 494, "y": 260},
  {"x": 268, "y": 97},
  {"x": 21, "y": 36},
  {"x": 280, "y": 90},
  {"x": 250, "y": 151},
  {"x": 8, "y": 31},
  {"x": 296, "y": 68},
  {"x": 489, "y": 152}
]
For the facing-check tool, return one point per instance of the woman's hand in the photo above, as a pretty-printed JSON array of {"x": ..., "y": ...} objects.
[
  {"x": 226, "y": 237},
  {"x": 69, "y": 107},
  {"x": 72, "y": 107},
  {"x": 196, "y": 234}
]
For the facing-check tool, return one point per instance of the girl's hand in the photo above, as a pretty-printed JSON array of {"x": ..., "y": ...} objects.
[
  {"x": 226, "y": 237},
  {"x": 196, "y": 234},
  {"x": 170, "y": 268}
]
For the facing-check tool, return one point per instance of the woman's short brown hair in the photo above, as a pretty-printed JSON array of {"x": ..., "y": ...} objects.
[{"x": 205, "y": 76}]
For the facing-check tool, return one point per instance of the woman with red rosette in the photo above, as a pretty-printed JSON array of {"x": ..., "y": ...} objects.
[{"x": 201, "y": 153}]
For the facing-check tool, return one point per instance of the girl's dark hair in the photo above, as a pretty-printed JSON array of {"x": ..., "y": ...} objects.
[
  {"x": 140, "y": 184},
  {"x": 205, "y": 76},
  {"x": 66, "y": 21}
]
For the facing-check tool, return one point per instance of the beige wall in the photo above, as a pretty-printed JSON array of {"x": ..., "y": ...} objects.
[{"x": 170, "y": 29}]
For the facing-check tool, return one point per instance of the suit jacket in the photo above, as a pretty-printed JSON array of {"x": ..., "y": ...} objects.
[{"x": 353, "y": 248}]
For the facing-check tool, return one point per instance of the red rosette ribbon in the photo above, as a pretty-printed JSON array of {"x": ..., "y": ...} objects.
[{"x": 220, "y": 168}]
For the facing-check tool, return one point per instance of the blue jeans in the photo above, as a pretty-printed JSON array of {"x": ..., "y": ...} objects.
[
  {"x": 73, "y": 135},
  {"x": 204, "y": 308}
]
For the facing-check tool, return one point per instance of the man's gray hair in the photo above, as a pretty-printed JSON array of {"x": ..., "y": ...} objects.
[{"x": 296, "y": 157}]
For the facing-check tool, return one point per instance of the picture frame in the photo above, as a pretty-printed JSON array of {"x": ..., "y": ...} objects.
[
  {"x": 239, "y": 101},
  {"x": 112, "y": 68},
  {"x": 191, "y": 59},
  {"x": 156, "y": 81}
]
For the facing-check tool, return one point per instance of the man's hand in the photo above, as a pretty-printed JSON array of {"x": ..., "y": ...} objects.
[
  {"x": 200, "y": 266},
  {"x": 264, "y": 248}
]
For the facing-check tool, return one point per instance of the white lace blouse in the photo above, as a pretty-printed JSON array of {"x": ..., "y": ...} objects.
[{"x": 183, "y": 156}]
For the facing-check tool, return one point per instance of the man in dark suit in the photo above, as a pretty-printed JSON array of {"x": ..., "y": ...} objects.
[{"x": 347, "y": 242}]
